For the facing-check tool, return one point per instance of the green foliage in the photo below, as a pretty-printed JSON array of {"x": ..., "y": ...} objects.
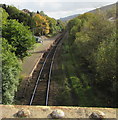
[
  {"x": 92, "y": 45},
  {"x": 106, "y": 64},
  {"x": 22, "y": 17},
  {"x": 72, "y": 23},
  {"x": 4, "y": 15},
  {"x": 12, "y": 11},
  {"x": 64, "y": 97},
  {"x": 60, "y": 25},
  {"x": 19, "y": 37},
  {"x": 52, "y": 25},
  {"x": 111, "y": 12},
  {"x": 76, "y": 87},
  {"x": 42, "y": 13},
  {"x": 26, "y": 19},
  {"x": 10, "y": 72}
]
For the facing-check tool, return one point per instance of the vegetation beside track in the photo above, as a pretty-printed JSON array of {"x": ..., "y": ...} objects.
[{"x": 87, "y": 72}]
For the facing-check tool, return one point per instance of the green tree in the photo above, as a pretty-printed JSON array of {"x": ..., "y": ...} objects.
[
  {"x": 10, "y": 72},
  {"x": 105, "y": 59},
  {"x": 26, "y": 19},
  {"x": 13, "y": 12},
  {"x": 22, "y": 17},
  {"x": 42, "y": 13},
  {"x": 52, "y": 25},
  {"x": 3, "y": 15},
  {"x": 19, "y": 36},
  {"x": 60, "y": 25},
  {"x": 106, "y": 63},
  {"x": 111, "y": 12}
]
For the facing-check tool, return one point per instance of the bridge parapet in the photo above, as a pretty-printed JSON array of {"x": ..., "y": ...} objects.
[{"x": 10, "y": 111}]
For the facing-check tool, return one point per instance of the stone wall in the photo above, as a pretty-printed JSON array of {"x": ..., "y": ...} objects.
[{"x": 15, "y": 111}]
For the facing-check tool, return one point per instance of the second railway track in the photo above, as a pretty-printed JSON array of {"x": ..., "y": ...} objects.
[{"x": 40, "y": 92}]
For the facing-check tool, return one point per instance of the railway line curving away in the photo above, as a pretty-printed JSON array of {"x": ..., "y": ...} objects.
[
  {"x": 37, "y": 88},
  {"x": 40, "y": 93}
]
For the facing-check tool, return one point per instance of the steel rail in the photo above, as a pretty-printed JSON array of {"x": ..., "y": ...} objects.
[
  {"x": 37, "y": 82},
  {"x": 49, "y": 80},
  {"x": 36, "y": 85}
]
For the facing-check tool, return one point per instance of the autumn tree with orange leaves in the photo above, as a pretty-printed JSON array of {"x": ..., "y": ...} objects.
[{"x": 42, "y": 25}]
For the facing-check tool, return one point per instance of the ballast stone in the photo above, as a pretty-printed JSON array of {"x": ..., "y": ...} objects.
[
  {"x": 57, "y": 114},
  {"x": 97, "y": 114},
  {"x": 23, "y": 113}
]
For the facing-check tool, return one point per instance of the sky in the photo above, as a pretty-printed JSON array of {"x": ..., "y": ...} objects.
[{"x": 58, "y": 8}]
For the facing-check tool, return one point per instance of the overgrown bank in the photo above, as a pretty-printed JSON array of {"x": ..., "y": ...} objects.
[{"x": 87, "y": 71}]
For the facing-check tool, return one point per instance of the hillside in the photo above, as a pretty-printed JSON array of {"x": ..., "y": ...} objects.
[
  {"x": 69, "y": 17},
  {"x": 105, "y": 8}
]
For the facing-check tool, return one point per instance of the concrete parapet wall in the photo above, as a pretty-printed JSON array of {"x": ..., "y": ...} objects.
[{"x": 9, "y": 111}]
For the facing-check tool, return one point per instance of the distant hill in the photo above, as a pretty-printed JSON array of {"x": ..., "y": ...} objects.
[
  {"x": 105, "y": 8},
  {"x": 69, "y": 17}
]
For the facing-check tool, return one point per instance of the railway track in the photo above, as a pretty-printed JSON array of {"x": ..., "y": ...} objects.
[{"x": 40, "y": 93}]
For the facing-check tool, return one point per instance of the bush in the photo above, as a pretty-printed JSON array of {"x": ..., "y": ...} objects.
[
  {"x": 10, "y": 72},
  {"x": 106, "y": 64}
]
